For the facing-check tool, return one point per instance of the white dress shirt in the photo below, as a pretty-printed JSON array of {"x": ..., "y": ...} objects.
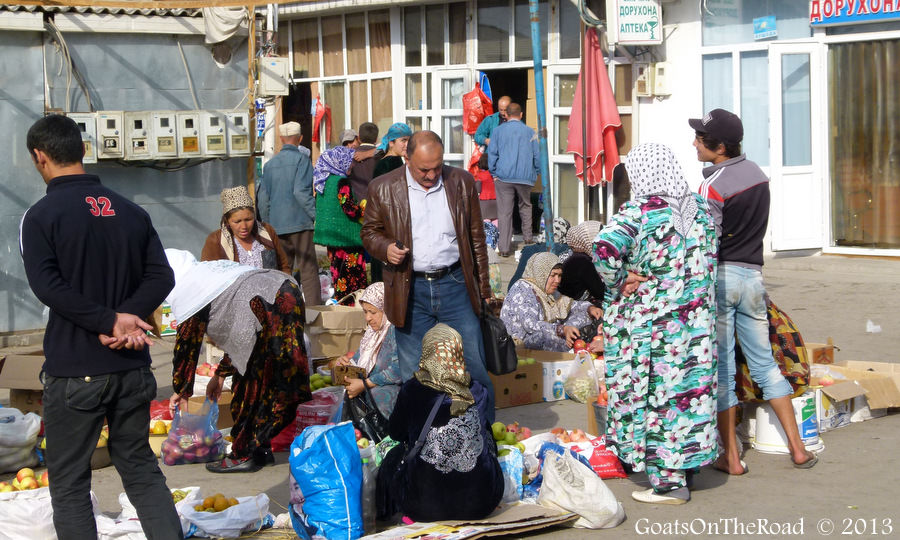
[{"x": 433, "y": 234}]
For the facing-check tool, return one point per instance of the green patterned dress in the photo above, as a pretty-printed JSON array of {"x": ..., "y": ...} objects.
[{"x": 660, "y": 344}]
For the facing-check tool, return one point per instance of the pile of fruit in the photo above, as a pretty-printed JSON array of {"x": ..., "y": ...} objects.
[
  {"x": 159, "y": 427},
  {"x": 317, "y": 381},
  {"x": 24, "y": 480},
  {"x": 576, "y": 435},
  {"x": 603, "y": 398},
  {"x": 582, "y": 345},
  {"x": 510, "y": 435},
  {"x": 216, "y": 503},
  {"x": 527, "y": 361},
  {"x": 185, "y": 446},
  {"x": 207, "y": 370},
  {"x": 178, "y": 495}
]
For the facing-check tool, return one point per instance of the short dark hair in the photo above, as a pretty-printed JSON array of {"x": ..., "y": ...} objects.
[
  {"x": 368, "y": 133},
  {"x": 422, "y": 137},
  {"x": 57, "y": 136},
  {"x": 227, "y": 215},
  {"x": 513, "y": 109},
  {"x": 711, "y": 143}
]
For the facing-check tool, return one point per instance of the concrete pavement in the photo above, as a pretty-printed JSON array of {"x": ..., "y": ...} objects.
[{"x": 854, "y": 488}]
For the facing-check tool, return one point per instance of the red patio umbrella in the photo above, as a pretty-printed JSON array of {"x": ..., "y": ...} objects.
[{"x": 598, "y": 115}]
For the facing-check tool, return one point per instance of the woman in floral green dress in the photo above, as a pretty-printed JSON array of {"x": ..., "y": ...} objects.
[{"x": 657, "y": 257}]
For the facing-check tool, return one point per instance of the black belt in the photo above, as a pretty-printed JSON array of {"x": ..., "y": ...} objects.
[{"x": 439, "y": 273}]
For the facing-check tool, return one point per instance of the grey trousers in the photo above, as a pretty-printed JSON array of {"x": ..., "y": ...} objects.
[
  {"x": 506, "y": 196},
  {"x": 301, "y": 252}
]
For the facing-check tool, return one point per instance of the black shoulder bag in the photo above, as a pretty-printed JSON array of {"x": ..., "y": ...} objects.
[
  {"x": 499, "y": 349},
  {"x": 366, "y": 417}
]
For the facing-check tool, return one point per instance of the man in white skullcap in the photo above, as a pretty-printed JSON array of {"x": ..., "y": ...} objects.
[{"x": 285, "y": 199}]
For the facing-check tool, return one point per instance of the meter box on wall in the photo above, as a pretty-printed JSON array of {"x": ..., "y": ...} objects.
[
  {"x": 273, "y": 76},
  {"x": 237, "y": 125},
  {"x": 163, "y": 141},
  {"x": 87, "y": 124},
  {"x": 110, "y": 143},
  {"x": 138, "y": 135},
  {"x": 188, "y": 134},
  {"x": 212, "y": 133}
]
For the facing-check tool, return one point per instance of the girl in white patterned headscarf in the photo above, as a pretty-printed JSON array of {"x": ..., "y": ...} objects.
[{"x": 653, "y": 170}]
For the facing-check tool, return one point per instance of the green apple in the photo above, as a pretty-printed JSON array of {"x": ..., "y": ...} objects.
[
  {"x": 509, "y": 438},
  {"x": 499, "y": 431}
]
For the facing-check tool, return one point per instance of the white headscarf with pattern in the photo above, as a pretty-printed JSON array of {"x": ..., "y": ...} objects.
[
  {"x": 372, "y": 339},
  {"x": 653, "y": 170}
]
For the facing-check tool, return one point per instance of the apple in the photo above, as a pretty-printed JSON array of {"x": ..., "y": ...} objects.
[
  {"x": 509, "y": 439},
  {"x": 29, "y": 483},
  {"x": 168, "y": 459},
  {"x": 503, "y": 452},
  {"x": 499, "y": 431},
  {"x": 521, "y": 447},
  {"x": 358, "y": 434},
  {"x": 190, "y": 457},
  {"x": 24, "y": 473},
  {"x": 6, "y": 487},
  {"x": 45, "y": 479},
  {"x": 16, "y": 485},
  {"x": 598, "y": 337},
  {"x": 523, "y": 433},
  {"x": 827, "y": 380},
  {"x": 363, "y": 443},
  {"x": 579, "y": 345},
  {"x": 512, "y": 428}
]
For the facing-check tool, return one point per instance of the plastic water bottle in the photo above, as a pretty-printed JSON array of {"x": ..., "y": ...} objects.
[{"x": 368, "y": 489}]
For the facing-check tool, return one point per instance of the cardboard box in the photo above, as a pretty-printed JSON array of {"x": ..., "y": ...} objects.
[
  {"x": 20, "y": 370},
  {"x": 554, "y": 369},
  {"x": 334, "y": 330},
  {"x": 880, "y": 379},
  {"x": 195, "y": 406},
  {"x": 596, "y": 419},
  {"x": 523, "y": 386},
  {"x": 820, "y": 353},
  {"x": 860, "y": 410},
  {"x": 834, "y": 403},
  {"x": 27, "y": 400}
]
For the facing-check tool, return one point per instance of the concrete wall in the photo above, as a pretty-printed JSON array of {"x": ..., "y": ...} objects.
[{"x": 124, "y": 72}]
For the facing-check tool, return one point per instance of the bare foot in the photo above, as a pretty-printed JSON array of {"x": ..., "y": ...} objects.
[
  {"x": 726, "y": 466},
  {"x": 808, "y": 460}
]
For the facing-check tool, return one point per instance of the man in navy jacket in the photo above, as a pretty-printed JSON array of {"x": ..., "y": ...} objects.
[{"x": 94, "y": 258}]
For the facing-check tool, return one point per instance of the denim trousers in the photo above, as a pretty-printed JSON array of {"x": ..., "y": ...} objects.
[
  {"x": 741, "y": 310},
  {"x": 74, "y": 413},
  {"x": 444, "y": 300}
]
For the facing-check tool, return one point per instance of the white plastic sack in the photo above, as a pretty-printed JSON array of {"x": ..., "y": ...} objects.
[
  {"x": 572, "y": 486},
  {"x": 28, "y": 514},
  {"x": 18, "y": 437},
  {"x": 127, "y": 526},
  {"x": 248, "y": 514}
]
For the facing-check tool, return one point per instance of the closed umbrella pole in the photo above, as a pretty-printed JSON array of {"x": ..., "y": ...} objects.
[{"x": 538, "y": 55}]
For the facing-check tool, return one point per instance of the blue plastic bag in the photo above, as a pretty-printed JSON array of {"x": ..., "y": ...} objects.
[{"x": 326, "y": 465}]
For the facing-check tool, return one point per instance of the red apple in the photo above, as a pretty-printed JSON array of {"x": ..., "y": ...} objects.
[
  {"x": 24, "y": 473},
  {"x": 523, "y": 433},
  {"x": 29, "y": 483},
  {"x": 45, "y": 479},
  {"x": 598, "y": 337},
  {"x": 358, "y": 434},
  {"x": 579, "y": 345},
  {"x": 512, "y": 428}
]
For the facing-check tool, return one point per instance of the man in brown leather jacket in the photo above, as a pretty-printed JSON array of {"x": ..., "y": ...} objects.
[{"x": 424, "y": 221}]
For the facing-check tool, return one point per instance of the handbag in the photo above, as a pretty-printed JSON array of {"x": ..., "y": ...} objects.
[
  {"x": 366, "y": 417},
  {"x": 499, "y": 348}
]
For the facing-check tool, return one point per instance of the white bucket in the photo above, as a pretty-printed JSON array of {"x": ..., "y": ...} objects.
[{"x": 770, "y": 437}]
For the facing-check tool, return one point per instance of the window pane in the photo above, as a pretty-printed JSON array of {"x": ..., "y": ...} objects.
[
  {"x": 434, "y": 34},
  {"x": 755, "y": 100},
  {"x": 452, "y": 91},
  {"x": 359, "y": 104},
  {"x": 356, "y": 42},
  {"x": 282, "y": 48},
  {"x": 562, "y": 133},
  {"x": 565, "y": 90},
  {"x": 334, "y": 98},
  {"x": 717, "y": 82},
  {"x": 414, "y": 122},
  {"x": 333, "y": 45},
  {"x": 382, "y": 104},
  {"x": 452, "y": 134},
  {"x": 523, "y": 29},
  {"x": 731, "y": 21},
  {"x": 624, "y": 136},
  {"x": 380, "y": 40},
  {"x": 414, "y": 91},
  {"x": 567, "y": 187},
  {"x": 569, "y": 30},
  {"x": 623, "y": 85},
  {"x": 795, "y": 109},
  {"x": 306, "y": 48},
  {"x": 412, "y": 35},
  {"x": 457, "y": 33},
  {"x": 493, "y": 31}
]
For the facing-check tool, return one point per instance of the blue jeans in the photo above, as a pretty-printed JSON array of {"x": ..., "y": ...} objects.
[
  {"x": 741, "y": 306},
  {"x": 74, "y": 412},
  {"x": 444, "y": 300}
]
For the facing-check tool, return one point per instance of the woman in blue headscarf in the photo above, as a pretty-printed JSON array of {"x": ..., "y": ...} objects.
[{"x": 392, "y": 149}]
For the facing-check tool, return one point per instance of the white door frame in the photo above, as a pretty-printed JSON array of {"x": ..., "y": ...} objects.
[
  {"x": 440, "y": 110},
  {"x": 799, "y": 209}
]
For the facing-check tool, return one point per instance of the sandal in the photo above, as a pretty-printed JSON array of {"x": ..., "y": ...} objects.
[
  {"x": 719, "y": 468},
  {"x": 809, "y": 463}
]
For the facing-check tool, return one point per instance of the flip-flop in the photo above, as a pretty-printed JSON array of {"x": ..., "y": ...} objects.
[
  {"x": 743, "y": 466},
  {"x": 809, "y": 463}
]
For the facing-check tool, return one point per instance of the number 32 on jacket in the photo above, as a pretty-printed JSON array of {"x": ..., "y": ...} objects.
[{"x": 100, "y": 207}]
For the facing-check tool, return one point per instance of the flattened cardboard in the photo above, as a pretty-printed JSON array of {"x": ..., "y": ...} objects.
[
  {"x": 523, "y": 386},
  {"x": 881, "y": 381},
  {"x": 334, "y": 330},
  {"x": 20, "y": 367}
]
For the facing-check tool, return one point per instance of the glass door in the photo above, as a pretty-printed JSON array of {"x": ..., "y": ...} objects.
[
  {"x": 796, "y": 139},
  {"x": 447, "y": 115}
]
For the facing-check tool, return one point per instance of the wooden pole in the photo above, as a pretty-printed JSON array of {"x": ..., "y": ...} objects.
[{"x": 251, "y": 101}]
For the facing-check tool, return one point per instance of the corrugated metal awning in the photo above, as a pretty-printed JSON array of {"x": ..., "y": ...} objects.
[{"x": 169, "y": 12}]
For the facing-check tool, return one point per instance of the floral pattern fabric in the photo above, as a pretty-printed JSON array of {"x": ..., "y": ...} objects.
[
  {"x": 276, "y": 379},
  {"x": 660, "y": 341},
  {"x": 523, "y": 316}
]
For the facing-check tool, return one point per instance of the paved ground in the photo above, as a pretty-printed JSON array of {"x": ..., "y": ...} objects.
[{"x": 853, "y": 491}]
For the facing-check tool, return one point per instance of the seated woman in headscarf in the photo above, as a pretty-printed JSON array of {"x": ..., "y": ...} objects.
[
  {"x": 658, "y": 257},
  {"x": 537, "y": 316},
  {"x": 578, "y": 273},
  {"x": 257, "y": 318},
  {"x": 392, "y": 150},
  {"x": 455, "y": 473},
  {"x": 377, "y": 354},
  {"x": 339, "y": 218},
  {"x": 560, "y": 228},
  {"x": 241, "y": 238}
]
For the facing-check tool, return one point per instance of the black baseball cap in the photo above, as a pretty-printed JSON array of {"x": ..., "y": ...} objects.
[{"x": 722, "y": 125}]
